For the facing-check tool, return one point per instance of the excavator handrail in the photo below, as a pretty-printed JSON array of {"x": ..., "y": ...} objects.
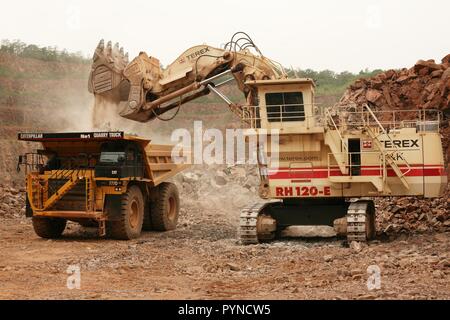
[
  {"x": 419, "y": 117},
  {"x": 388, "y": 136},
  {"x": 336, "y": 127},
  {"x": 249, "y": 114}
]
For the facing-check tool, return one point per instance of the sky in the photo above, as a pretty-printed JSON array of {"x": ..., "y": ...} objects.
[{"x": 344, "y": 35}]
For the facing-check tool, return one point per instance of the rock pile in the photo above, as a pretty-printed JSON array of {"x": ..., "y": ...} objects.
[
  {"x": 410, "y": 214},
  {"x": 426, "y": 86},
  {"x": 12, "y": 202}
]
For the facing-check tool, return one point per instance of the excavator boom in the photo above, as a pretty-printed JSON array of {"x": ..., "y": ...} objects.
[{"x": 142, "y": 90}]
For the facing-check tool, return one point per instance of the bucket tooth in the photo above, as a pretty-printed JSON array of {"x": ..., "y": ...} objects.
[
  {"x": 109, "y": 48},
  {"x": 99, "y": 51},
  {"x": 115, "y": 51},
  {"x": 101, "y": 45}
]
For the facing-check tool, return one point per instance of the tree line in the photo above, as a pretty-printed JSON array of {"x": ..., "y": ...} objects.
[
  {"x": 327, "y": 80},
  {"x": 21, "y": 49}
]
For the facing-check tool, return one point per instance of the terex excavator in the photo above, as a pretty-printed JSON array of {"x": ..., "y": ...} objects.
[{"x": 331, "y": 161}]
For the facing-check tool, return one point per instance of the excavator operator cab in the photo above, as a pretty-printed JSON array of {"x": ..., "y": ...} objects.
[{"x": 285, "y": 104}]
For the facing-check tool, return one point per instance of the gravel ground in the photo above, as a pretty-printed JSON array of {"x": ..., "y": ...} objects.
[{"x": 201, "y": 259}]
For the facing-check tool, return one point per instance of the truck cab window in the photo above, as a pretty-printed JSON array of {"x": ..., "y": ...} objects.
[{"x": 112, "y": 157}]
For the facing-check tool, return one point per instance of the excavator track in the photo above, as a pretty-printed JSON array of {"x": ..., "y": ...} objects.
[
  {"x": 360, "y": 221},
  {"x": 250, "y": 218}
]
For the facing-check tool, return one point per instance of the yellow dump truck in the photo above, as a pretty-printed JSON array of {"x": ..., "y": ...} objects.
[{"x": 110, "y": 180}]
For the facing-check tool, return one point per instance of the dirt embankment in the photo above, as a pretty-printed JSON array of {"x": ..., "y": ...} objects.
[
  {"x": 426, "y": 85},
  {"x": 51, "y": 96},
  {"x": 35, "y": 96}
]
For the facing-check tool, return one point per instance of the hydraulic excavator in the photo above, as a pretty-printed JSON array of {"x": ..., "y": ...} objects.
[{"x": 331, "y": 162}]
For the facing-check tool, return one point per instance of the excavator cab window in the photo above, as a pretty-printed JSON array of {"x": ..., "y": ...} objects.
[{"x": 285, "y": 106}]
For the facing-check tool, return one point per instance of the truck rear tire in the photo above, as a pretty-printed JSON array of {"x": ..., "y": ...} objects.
[
  {"x": 129, "y": 225},
  {"x": 49, "y": 228},
  {"x": 164, "y": 207}
]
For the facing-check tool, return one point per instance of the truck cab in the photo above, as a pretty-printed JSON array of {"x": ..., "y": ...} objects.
[{"x": 120, "y": 160}]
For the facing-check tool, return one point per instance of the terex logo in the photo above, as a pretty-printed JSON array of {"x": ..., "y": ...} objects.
[
  {"x": 197, "y": 53},
  {"x": 408, "y": 143}
]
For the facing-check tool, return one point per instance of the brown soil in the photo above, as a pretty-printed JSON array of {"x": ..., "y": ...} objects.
[{"x": 201, "y": 259}]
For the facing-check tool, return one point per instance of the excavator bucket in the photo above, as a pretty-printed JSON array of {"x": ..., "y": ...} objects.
[
  {"x": 119, "y": 85},
  {"x": 107, "y": 68},
  {"x": 106, "y": 80}
]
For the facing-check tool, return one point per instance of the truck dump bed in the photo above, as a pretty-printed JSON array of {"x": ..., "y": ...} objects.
[{"x": 158, "y": 161}]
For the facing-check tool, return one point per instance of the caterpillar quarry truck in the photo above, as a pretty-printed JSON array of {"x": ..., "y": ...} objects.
[
  {"x": 331, "y": 162},
  {"x": 109, "y": 180}
]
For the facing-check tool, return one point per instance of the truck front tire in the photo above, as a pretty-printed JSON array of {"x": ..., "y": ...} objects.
[
  {"x": 49, "y": 228},
  {"x": 164, "y": 207},
  {"x": 129, "y": 225}
]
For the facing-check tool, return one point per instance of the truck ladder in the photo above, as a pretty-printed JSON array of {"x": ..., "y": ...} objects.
[{"x": 90, "y": 195}]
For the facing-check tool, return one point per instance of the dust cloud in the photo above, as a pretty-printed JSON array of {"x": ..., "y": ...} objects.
[{"x": 88, "y": 116}]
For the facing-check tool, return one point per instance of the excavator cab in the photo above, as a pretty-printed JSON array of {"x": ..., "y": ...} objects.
[{"x": 284, "y": 104}]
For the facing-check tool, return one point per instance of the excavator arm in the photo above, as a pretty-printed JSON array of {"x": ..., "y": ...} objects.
[{"x": 142, "y": 90}]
